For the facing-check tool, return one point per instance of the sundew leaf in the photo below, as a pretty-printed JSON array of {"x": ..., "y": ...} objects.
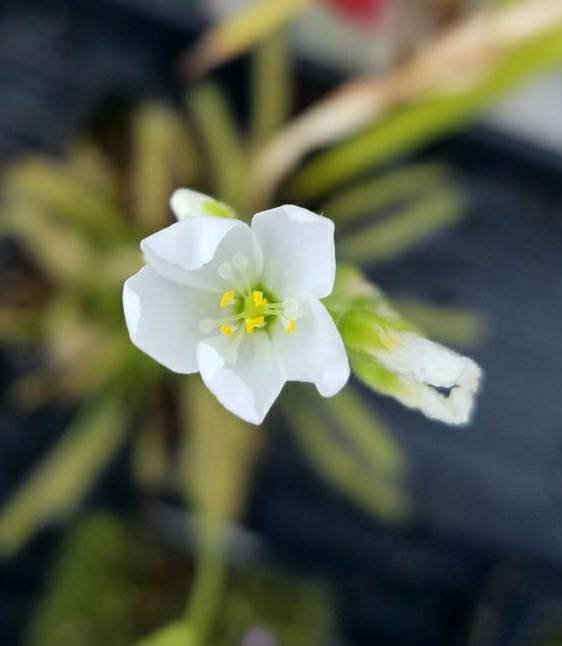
[
  {"x": 451, "y": 325},
  {"x": 222, "y": 143},
  {"x": 178, "y": 633},
  {"x": 239, "y": 31},
  {"x": 87, "y": 163},
  {"x": 414, "y": 125},
  {"x": 271, "y": 87},
  {"x": 340, "y": 462},
  {"x": 217, "y": 442},
  {"x": 365, "y": 432},
  {"x": 405, "y": 229},
  {"x": 163, "y": 158},
  {"x": 109, "y": 584},
  {"x": 371, "y": 197},
  {"x": 61, "y": 252},
  {"x": 58, "y": 484},
  {"x": 55, "y": 186}
]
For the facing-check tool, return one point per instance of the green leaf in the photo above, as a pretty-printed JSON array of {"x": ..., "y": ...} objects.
[
  {"x": 176, "y": 634},
  {"x": 109, "y": 584},
  {"x": 217, "y": 442},
  {"x": 402, "y": 231},
  {"x": 58, "y": 484},
  {"x": 366, "y": 433},
  {"x": 241, "y": 30},
  {"x": 70, "y": 198},
  {"x": 222, "y": 144},
  {"x": 361, "y": 463},
  {"x": 271, "y": 87},
  {"x": 163, "y": 159},
  {"x": 445, "y": 324},
  {"x": 372, "y": 196},
  {"x": 414, "y": 125}
]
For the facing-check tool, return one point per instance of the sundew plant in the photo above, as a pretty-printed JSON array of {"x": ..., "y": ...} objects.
[{"x": 80, "y": 218}]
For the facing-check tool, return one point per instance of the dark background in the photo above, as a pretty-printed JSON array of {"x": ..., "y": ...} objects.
[{"x": 481, "y": 563}]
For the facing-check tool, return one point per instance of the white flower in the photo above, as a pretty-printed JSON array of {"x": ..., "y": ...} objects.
[
  {"x": 433, "y": 379},
  {"x": 239, "y": 304}
]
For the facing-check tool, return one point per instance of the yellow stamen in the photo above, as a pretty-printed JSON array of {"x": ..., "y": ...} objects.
[
  {"x": 254, "y": 322},
  {"x": 227, "y": 298},
  {"x": 226, "y": 330},
  {"x": 291, "y": 326},
  {"x": 258, "y": 298}
]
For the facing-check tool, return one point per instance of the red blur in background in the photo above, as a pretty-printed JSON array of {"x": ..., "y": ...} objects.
[{"x": 363, "y": 12}]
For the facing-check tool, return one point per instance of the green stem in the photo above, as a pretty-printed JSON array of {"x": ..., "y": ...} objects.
[{"x": 209, "y": 579}]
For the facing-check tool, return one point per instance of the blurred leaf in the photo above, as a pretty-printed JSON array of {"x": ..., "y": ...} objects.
[
  {"x": 20, "y": 325},
  {"x": 365, "y": 433},
  {"x": 83, "y": 355},
  {"x": 108, "y": 585},
  {"x": 150, "y": 456},
  {"x": 445, "y": 324},
  {"x": 341, "y": 464},
  {"x": 372, "y": 196},
  {"x": 239, "y": 31},
  {"x": 91, "y": 168},
  {"x": 271, "y": 87},
  {"x": 403, "y": 230},
  {"x": 413, "y": 125},
  {"x": 221, "y": 141},
  {"x": 58, "y": 484},
  {"x": 216, "y": 442},
  {"x": 52, "y": 185},
  {"x": 66, "y": 256},
  {"x": 163, "y": 158},
  {"x": 176, "y": 634},
  {"x": 117, "y": 266}
]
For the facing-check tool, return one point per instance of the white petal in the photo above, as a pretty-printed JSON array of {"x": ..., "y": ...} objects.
[
  {"x": 249, "y": 386},
  {"x": 163, "y": 318},
  {"x": 186, "y": 203},
  {"x": 424, "y": 367},
  {"x": 298, "y": 250},
  {"x": 191, "y": 251},
  {"x": 315, "y": 351}
]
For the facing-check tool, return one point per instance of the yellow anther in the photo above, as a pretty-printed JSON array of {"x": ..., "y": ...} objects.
[
  {"x": 258, "y": 298},
  {"x": 254, "y": 322},
  {"x": 226, "y": 330},
  {"x": 227, "y": 298},
  {"x": 291, "y": 326}
]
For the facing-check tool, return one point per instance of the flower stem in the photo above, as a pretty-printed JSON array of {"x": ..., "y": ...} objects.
[{"x": 210, "y": 573}]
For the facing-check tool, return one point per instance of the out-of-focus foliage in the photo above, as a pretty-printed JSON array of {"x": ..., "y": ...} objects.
[
  {"x": 247, "y": 27},
  {"x": 67, "y": 473},
  {"x": 111, "y": 585},
  {"x": 108, "y": 586},
  {"x": 444, "y": 84}
]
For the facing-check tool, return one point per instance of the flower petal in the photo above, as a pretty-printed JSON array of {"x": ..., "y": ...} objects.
[
  {"x": 314, "y": 352},
  {"x": 424, "y": 367},
  {"x": 248, "y": 386},
  {"x": 163, "y": 318},
  {"x": 191, "y": 251},
  {"x": 187, "y": 203},
  {"x": 298, "y": 250}
]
